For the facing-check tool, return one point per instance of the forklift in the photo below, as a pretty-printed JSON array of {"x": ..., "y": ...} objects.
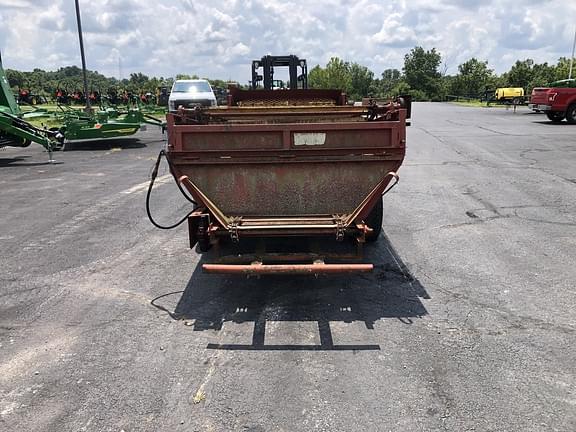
[{"x": 297, "y": 70}]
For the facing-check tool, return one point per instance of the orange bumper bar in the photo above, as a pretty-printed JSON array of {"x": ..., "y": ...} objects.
[{"x": 304, "y": 269}]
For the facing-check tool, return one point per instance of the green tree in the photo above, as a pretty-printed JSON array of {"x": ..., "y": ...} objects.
[
  {"x": 402, "y": 88},
  {"x": 137, "y": 83},
  {"x": 361, "y": 79},
  {"x": 542, "y": 75},
  {"x": 473, "y": 79},
  {"x": 336, "y": 75},
  {"x": 520, "y": 74},
  {"x": 562, "y": 69},
  {"x": 389, "y": 82},
  {"x": 70, "y": 71},
  {"x": 421, "y": 73},
  {"x": 527, "y": 74},
  {"x": 15, "y": 78},
  {"x": 316, "y": 77}
]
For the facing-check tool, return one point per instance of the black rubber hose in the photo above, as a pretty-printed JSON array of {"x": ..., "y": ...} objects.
[
  {"x": 182, "y": 191},
  {"x": 152, "y": 179}
]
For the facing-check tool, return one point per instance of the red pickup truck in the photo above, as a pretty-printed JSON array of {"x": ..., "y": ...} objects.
[{"x": 558, "y": 101}]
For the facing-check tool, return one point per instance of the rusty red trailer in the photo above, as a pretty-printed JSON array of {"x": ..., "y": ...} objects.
[{"x": 277, "y": 165}]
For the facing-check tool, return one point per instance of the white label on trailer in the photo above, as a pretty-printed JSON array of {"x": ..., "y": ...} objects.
[{"x": 318, "y": 138}]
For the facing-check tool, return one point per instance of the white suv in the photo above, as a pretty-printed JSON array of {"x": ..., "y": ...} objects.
[{"x": 191, "y": 93}]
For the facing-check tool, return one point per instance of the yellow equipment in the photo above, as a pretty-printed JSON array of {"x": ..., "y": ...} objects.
[{"x": 509, "y": 94}]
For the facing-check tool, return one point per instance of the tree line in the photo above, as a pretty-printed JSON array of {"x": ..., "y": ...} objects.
[
  {"x": 423, "y": 75},
  {"x": 69, "y": 79}
]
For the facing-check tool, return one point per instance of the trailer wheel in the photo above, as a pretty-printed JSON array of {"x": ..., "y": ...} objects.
[
  {"x": 571, "y": 114},
  {"x": 374, "y": 221},
  {"x": 202, "y": 235}
]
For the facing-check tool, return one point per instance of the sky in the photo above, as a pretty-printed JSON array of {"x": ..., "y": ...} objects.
[{"x": 219, "y": 38}]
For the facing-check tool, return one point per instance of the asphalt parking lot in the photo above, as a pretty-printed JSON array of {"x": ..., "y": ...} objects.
[{"x": 467, "y": 322}]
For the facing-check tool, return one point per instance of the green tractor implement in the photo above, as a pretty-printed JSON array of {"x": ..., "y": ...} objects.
[
  {"x": 15, "y": 131},
  {"x": 100, "y": 124}
]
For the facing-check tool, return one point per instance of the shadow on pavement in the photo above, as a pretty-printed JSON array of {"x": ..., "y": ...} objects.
[
  {"x": 11, "y": 160},
  {"x": 390, "y": 291},
  {"x": 20, "y": 161},
  {"x": 551, "y": 123},
  {"x": 104, "y": 144}
]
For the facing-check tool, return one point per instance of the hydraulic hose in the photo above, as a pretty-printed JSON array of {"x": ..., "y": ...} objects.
[{"x": 152, "y": 179}]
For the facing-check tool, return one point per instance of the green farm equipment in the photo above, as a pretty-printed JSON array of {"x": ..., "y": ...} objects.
[
  {"x": 14, "y": 130},
  {"x": 100, "y": 124},
  {"x": 75, "y": 125}
]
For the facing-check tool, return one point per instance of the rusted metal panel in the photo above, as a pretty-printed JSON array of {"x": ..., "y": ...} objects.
[
  {"x": 288, "y": 189},
  {"x": 232, "y": 140},
  {"x": 260, "y": 170},
  {"x": 202, "y": 140},
  {"x": 304, "y": 171}
]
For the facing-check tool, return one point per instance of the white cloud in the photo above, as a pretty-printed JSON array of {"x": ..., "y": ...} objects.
[
  {"x": 219, "y": 38},
  {"x": 394, "y": 33}
]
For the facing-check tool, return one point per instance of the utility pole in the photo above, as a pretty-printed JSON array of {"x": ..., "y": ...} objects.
[
  {"x": 572, "y": 58},
  {"x": 88, "y": 108}
]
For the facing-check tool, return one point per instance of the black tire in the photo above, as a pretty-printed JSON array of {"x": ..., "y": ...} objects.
[
  {"x": 202, "y": 235},
  {"x": 571, "y": 114},
  {"x": 374, "y": 221},
  {"x": 555, "y": 116},
  {"x": 22, "y": 142}
]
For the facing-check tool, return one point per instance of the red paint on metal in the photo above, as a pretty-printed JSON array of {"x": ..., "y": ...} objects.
[{"x": 259, "y": 178}]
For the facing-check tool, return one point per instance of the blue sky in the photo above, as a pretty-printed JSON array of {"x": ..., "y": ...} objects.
[{"x": 218, "y": 39}]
